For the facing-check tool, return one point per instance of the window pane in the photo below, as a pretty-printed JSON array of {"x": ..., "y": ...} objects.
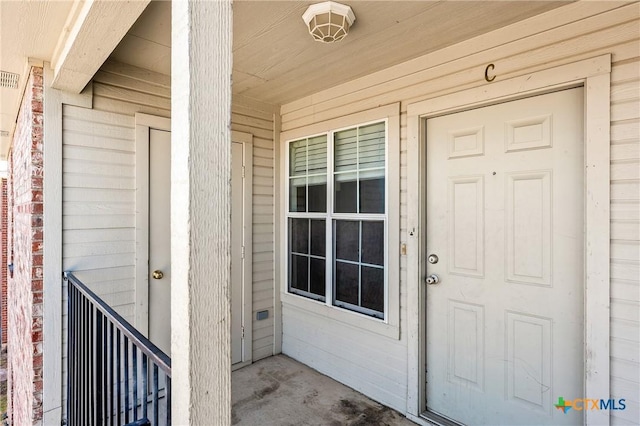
[
  {"x": 371, "y": 143},
  {"x": 347, "y": 282},
  {"x": 373, "y": 288},
  {"x": 299, "y": 235},
  {"x": 318, "y": 238},
  {"x": 317, "y": 154},
  {"x": 298, "y": 195},
  {"x": 346, "y": 146},
  {"x": 318, "y": 273},
  {"x": 347, "y": 240},
  {"x": 318, "y": 196},
  {"x": 346, "y": 193},
  {"x": 299, "y": 272},
  {"x": 298, "y": 158},
  {"x": 372, "y": 195},
  {"x": 373, "y": 243}
]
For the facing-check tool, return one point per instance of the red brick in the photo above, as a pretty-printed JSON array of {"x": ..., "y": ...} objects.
[
  {"x": 36, "y": 324},
  {"x": 36, "y": 182},
  {"x": 37, "y": 361},
  {"x": 36, "y": 221},
  {"x": 36, "y": 196},
  {"x": 36, "y": 246},
  {"x": 37, "y": 235},
  {"x": 37, "y": 349},
  {"x": 21, "y": 237},
  {"x": 36, "y": 336},
  {"x": 37, "y": 275},
  {"x": 36, "y": 285}
]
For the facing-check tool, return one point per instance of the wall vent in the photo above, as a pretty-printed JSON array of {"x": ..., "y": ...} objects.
[{"x": 9, "y": 80}]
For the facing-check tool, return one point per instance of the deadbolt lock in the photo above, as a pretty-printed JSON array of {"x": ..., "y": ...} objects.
[
  {"x": 433, "y": 259},
  {"x": 157, "y": 275}
]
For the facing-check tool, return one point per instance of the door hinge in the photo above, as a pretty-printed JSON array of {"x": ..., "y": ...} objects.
[
  {"x": 243, "y": 171},
  {"x": 243, "y": 331},
  {"x": 242, "y": 252}
]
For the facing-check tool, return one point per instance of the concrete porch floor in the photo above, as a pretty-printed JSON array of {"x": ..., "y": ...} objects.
[{"x": 281, "y": 391}]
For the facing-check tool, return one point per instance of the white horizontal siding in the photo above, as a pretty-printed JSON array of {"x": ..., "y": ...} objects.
[
  {"x": 98, "y": 207},
  {"x": 258, "y": 121},
  {"x": 127, "y": 90},
  {"x": 625, "y": 239},
  {"x": 369, "y": 364},
  {"x": 568, "y": 34}
]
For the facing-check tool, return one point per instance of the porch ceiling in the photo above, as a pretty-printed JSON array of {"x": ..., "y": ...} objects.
[
  {"x": 27, "y": 30},
  {"x": 276, "y": 61}
]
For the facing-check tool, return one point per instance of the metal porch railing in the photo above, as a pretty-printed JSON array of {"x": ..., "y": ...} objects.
[{"x": 115, "y": 376}]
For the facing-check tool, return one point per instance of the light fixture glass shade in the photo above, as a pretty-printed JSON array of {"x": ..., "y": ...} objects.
[{"x": 328, "y": 22}]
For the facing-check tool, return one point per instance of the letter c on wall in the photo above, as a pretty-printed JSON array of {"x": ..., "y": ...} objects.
[{"x": 490, "y": 67}]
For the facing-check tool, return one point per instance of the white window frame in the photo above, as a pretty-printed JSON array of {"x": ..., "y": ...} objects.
[{"x": 389, "y": 326}]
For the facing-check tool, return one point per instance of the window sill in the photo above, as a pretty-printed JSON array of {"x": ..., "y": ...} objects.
[{"x": 353, "y": 319}]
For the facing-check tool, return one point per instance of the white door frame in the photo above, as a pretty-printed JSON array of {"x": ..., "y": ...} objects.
[
  {"x": 246, "y": 139},
  {"x": 144, "y": 123},
  {"x": 594, "y": 75}
]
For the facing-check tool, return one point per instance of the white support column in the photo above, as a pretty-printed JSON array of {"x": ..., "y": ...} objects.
[
  {"x": 52, "y": 289},
  {"x": 200, "y": 211}
]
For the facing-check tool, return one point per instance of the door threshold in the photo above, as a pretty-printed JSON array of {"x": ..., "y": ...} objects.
[{"x": 438, "y": 420}]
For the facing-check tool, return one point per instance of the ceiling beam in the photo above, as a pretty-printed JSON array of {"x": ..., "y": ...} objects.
[{"x": 98, "y": 28}]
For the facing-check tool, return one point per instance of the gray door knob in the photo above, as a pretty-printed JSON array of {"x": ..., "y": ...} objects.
[{"x": 432, "y": 279}]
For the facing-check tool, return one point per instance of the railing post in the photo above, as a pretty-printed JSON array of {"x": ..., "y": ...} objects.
[
  {"x": 98, "y": 369},
  {"x": 70, "y": 350}
]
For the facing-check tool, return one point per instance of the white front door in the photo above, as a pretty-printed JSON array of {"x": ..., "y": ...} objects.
[
  {"x": 505, "y": 220},
  {"x": 160, "y": 244},
  {"x": 160, "y": 239}
]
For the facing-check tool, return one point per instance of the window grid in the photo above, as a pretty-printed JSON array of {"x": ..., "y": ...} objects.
[
  {"x": 331, "y": 216},
  {"x": 359, "y": 263},
  {"x": 308, "y": 292},
  {"x": 306, "y": 176}
]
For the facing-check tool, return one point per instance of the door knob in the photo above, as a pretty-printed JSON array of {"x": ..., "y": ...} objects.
[
  {"x": 432, "y": 279},
  {"x": 157, "y": 275}
]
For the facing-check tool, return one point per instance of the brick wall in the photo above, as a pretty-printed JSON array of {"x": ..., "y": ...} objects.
[
  {"x": 26, "y": 245},
  {"x": 3, "y": 258}
]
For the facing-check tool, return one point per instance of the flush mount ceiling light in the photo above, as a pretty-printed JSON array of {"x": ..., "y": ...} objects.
[{"x": 328, "y": 22}]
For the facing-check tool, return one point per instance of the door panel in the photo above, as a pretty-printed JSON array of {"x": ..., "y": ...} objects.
[
  {"x": 160, "y": 238},
  {"x": 505, "y": 217},
  {"x": 160, "y": 244}
]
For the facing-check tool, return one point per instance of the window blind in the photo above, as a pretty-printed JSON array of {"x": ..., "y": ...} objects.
[{"x": 362, "y": 149}]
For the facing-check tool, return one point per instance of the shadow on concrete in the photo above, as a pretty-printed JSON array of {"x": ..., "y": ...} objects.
[{"x": 281, "y": 391}]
